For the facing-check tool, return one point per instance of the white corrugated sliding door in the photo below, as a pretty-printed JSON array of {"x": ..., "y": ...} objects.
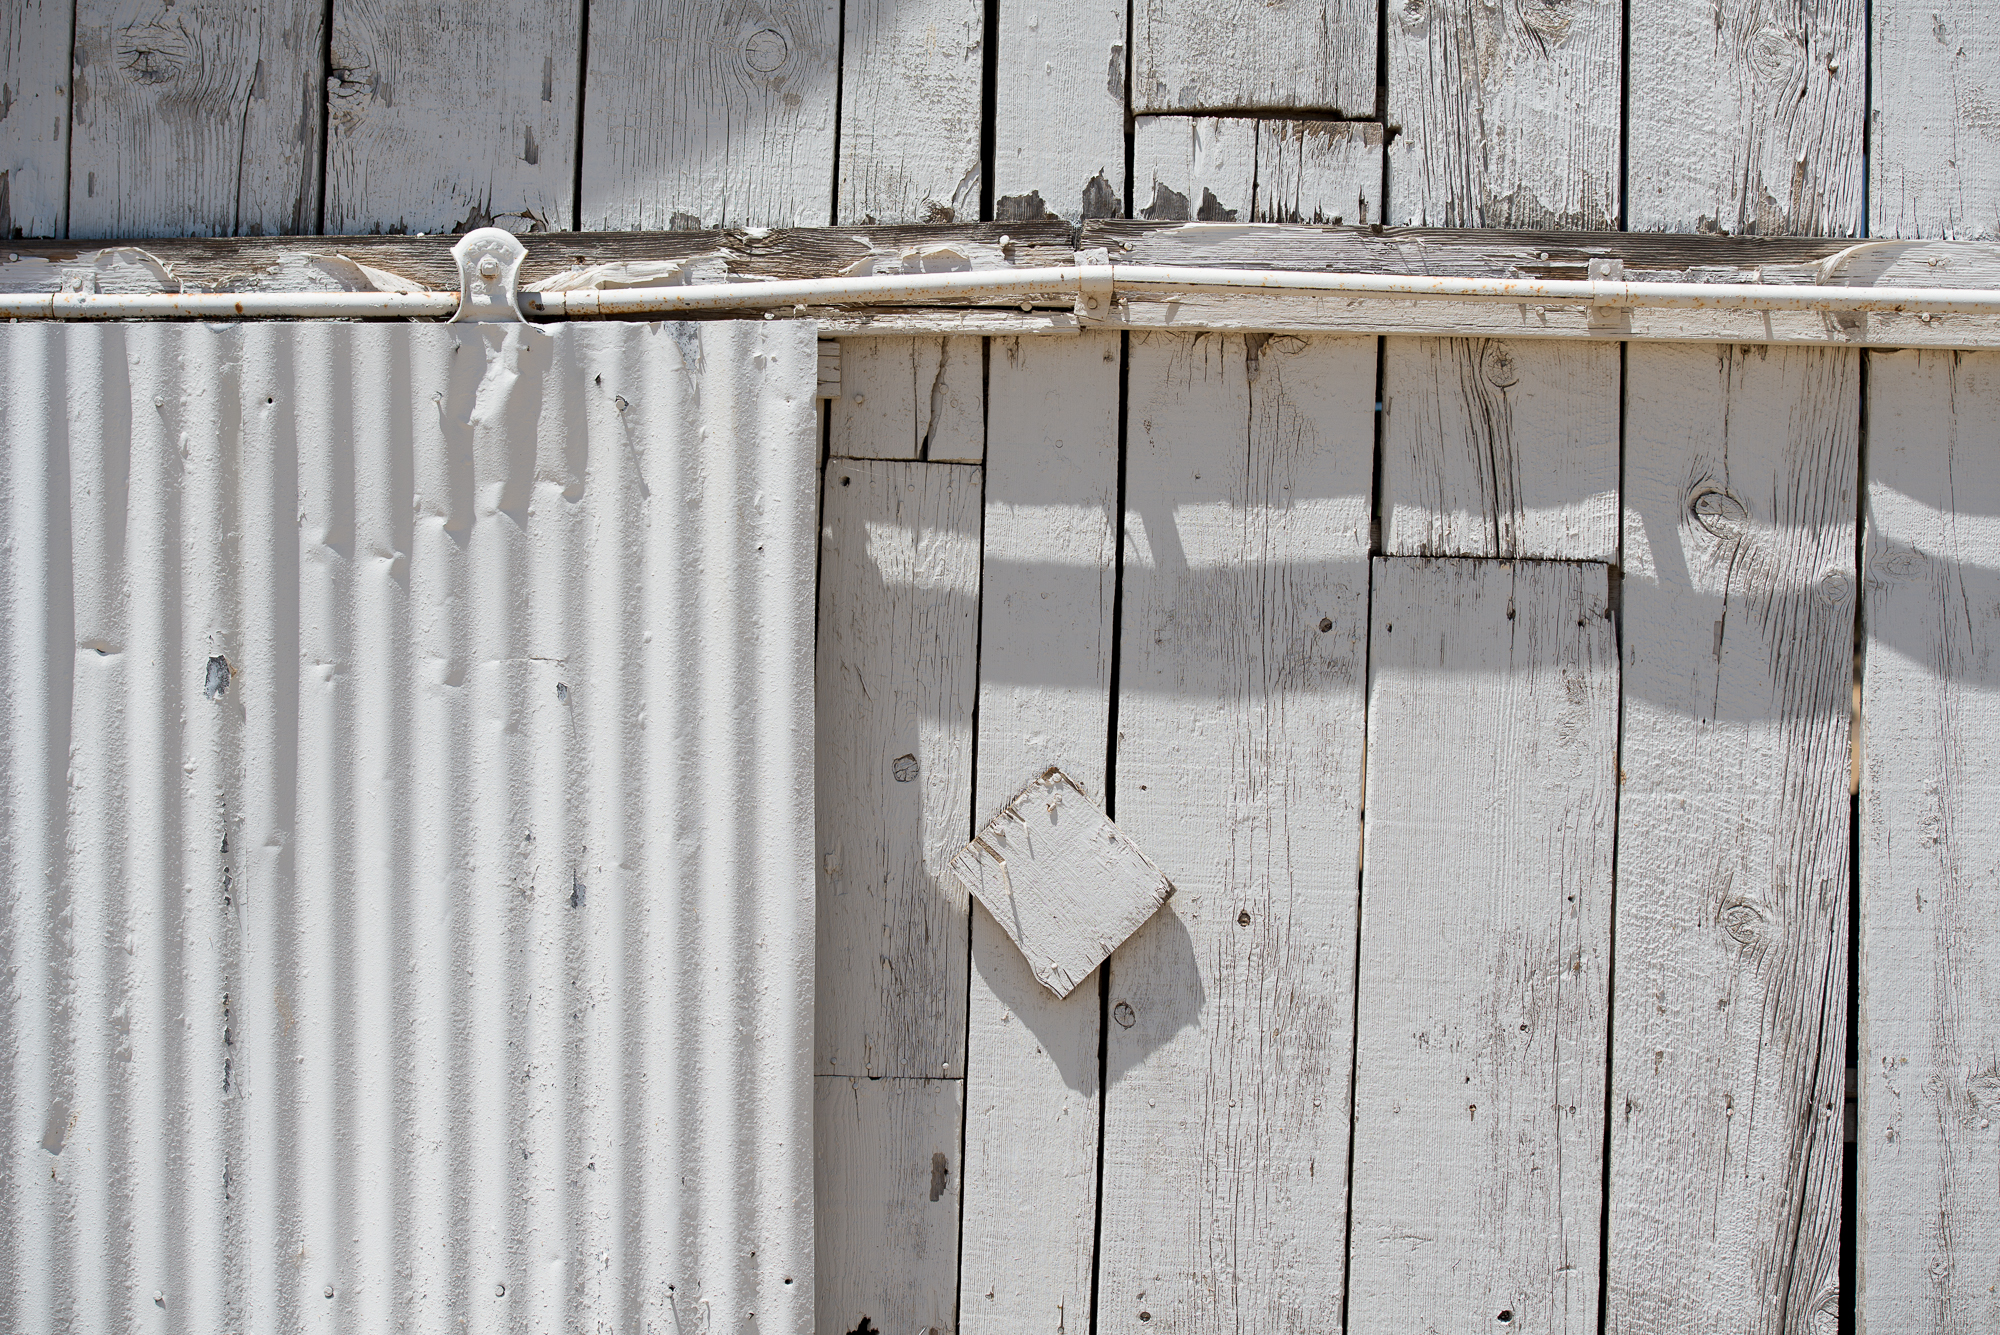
[{"x": 406, "y": 823}]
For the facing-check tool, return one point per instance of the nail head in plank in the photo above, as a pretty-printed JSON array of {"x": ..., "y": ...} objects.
[
  {"x": 909, "y": 111},
  {"x": 1930, "y": 982},
  {"x": 1047, "y": 586},
  {"x": 449, "y": 118},
  {"x": 717, "y": 114},
  {"x": 195, "y": 119},
  {"x": 1059, "y": 111},
  {"x": 1730, "y": 1009},
  {"x": 1485, "y": 947},
  {"x": 886, "y": 1187},
  {"x": 1747, "y": 117},
  {"x": 1509, "y": 114},
  {"x": 898, "y": 635},
  {"x": 1239, "y": 759},
  {"x": 34, "y": 154},
  {"x": 1500, "y": 447}
]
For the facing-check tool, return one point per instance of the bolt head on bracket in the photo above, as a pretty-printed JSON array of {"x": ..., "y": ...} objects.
[{"x": 489, "y": 277}]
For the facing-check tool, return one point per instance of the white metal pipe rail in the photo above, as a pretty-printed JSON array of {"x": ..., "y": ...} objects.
[{"x": 1055, "y": 285}]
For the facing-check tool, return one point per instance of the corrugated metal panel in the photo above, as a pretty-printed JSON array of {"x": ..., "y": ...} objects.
[{"x": 406, "y": 767}]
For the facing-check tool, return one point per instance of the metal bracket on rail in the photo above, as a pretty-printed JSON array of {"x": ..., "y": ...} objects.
[
  {"x": 489, "y": 277},
  {"x": 1605, "y": 316},
  {"x": 1095, "y": 290}
]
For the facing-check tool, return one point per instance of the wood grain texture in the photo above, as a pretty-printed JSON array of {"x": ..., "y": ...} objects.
[
  {"x": 1929, "y": 1224},
  {"x": 1318, "y": 172},
  {"x": 718, "y": 114},
  {"x": 195, "y": 119},
  {"x": 1194, "y": 168},
  {"x": 1046, "y": 630},
  {"x": 1485, "y": 947},
  {"x": 898, "y": 642},
  {"x": 447, "y": 118},
  {"x": 1496, "y": 447},
  {"x": 1239, "y": 770},
  {"x": 1509, "y": 113},
  {"x": 1935, "y": 138},
  {"x": 34, "y": 117},
  {"x": 1062, "y": 881},
  {"x": 886, "y": 1187},
  {"x": 1746, "y": 116},
  {"x": 1730, "y": 980},
  {"x": 911, "y": 398},
  {"x": 1301, "y": 55},
  {"x": 910, "y": 102},
  {"x": 1059, "y": 111}
]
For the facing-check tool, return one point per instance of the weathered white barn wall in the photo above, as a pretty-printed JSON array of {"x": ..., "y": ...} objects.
[
  {"x": 34, "y": 147},
  {"x": 1935, "y": 161},
  {"x": 406, "y": 825}
]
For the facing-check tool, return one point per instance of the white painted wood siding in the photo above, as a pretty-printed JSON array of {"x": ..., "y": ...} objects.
[
  {"x": 717, "y": 114},
  {"x": 1031, "y": 1061},
  {"x": 1485, "y": 947},
  {"x": 898, "y": 636},
  {"x": 910, "y": 89},
  {"x": 1930, "y": 961},
  {"x": 1500, "y": 447},
  {"x": 1935, "y": 143},
  {"x": 34, "y": 117},
  {"x": 446, "y": 119},
  {"x": 1239, "y": 771},
  {"x": 1746, "y": 117},
  {"x": 1059, "y": 111},
  {"x": 1509, "y": 114},
  {"x": 1304, "y": 55},
  {"x": 197, "y": 119},
  {"x": 1729, "y": 1011},
  {"x": 1314, "y": 171},
  {"x": 911, "y": 398}
]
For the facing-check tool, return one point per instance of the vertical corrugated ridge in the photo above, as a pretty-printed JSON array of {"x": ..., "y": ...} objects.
[{"x": 405, "y": 913}]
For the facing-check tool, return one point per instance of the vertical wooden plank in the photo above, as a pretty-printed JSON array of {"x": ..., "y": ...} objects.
[
  {"x": 1500, "y": 447},
  {"x": 450, "y": 117},
  {"x": 898, "y": 634},
  {"x": 1319, "y": 172},
  {"x": 1509, "y": 113},
  {"x": 1730, "y": 977},
  {"x": 1485, "y": 945},
  {"x": 1031, "y": 1072},
  {"x": 911, "y": 398},
  {"x": 1929, "y": 1226},
  {"x": 885, "y": 1176},
  {"x": 34, "y": 117},
  {"x": 1059, "y": 111},
  {"x": 1746, "y": 116},
  {"x": 910, "y": 102},
  {"x": 1935, "y": 143},
  {"x": 1239, "y": 773},
  {"x": 196, "y": 119},
  {"x": 1302, "y": 55},
  {"x": 1194, "y": 168},
  {"x": 743, "y": 135}
]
